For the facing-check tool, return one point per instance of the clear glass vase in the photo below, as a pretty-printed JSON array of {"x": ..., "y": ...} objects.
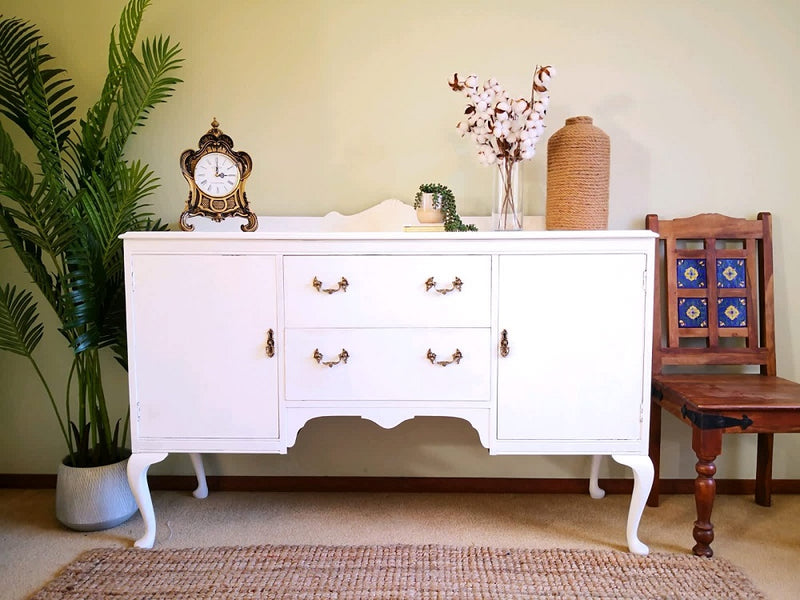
[{"x": 507, "y": 208}]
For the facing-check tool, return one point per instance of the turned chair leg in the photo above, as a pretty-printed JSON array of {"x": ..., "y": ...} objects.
[
  {"x": 764, "y": 470},
  {"x": 655, "y": 453},
  {"x": 707, "y": 446}
]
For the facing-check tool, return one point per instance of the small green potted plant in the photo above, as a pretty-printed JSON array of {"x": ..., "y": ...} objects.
[
  {"x": 436, "y": 203},
  {"x": 63, "y": 216}
]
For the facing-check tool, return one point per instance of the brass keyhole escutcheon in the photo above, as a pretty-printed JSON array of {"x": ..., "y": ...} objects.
[{"x": 270, "y": 348}]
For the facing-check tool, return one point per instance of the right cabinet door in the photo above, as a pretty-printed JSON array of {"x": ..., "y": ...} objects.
[{"x": 575, "y": 328}]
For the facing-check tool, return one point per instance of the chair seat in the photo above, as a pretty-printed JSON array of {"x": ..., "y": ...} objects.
[{"x": 751, "y": 403}]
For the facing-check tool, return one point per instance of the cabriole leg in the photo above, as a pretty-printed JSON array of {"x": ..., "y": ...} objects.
[
  {"x": 138, "y": 464},
  {"x": 595, "y": 491},
  {"x": 642, "y": 468},
  {"x": 200, "y": 473}
]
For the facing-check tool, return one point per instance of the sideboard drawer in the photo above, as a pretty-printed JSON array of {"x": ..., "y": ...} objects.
[
  {"x": 388, "y": 364},
  {"x": 387, "y": 291}
]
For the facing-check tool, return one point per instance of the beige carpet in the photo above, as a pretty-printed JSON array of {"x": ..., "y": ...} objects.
[{"x": 396, "y": 572}]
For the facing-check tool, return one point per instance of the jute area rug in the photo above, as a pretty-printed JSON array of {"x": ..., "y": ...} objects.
[{"x": 400, "y": 572}]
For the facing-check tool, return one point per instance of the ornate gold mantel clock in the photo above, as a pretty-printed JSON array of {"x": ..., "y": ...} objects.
[{"x": 216, "y": 174}]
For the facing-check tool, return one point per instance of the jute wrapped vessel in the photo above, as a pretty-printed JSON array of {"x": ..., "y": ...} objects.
[{"x": 578, "y": 165}]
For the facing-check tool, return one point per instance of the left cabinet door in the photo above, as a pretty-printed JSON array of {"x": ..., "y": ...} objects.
[{"x": 198, "y": 335}]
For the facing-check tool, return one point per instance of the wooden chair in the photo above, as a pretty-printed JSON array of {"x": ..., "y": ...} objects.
[{"x": 716, "y": 308}]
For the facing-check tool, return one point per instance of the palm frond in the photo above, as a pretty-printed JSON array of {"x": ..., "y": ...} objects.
[
  {"x": 16, "y": 179},
  {"x": 88, "y": 155},
  {"x": 31, "y": 256},
  {"x": 145, "y": 84},
  {"x": 37, "y": 215},
  {"x": 17, "y": 37},
  {"x": 49, "y": 119},
  {"x": 20, "y": 327}
]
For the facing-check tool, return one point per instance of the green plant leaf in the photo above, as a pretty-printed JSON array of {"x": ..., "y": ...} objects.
[
  {"x": 145, "y": 84},
  {"x": 17, "y": 37},
  {"x": 21, "y": 329}
]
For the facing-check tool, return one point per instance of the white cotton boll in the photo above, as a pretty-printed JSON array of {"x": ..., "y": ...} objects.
[
  {"x": 481, "y": 106},
  {"x": 501, "y": 116},
  {"x": 520, "y": 105},
  {"x": 545, "y": 100},
  {"x": 503, "y": 105},
  {"x": 471, "y": 81},
  {"x": 527, "y": 153},
  {"x": 463, "y": 127}
]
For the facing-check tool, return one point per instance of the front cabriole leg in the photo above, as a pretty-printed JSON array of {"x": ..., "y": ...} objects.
[
  {"x": 642, "y": 468},
  {"x": 138, "y": 464}
]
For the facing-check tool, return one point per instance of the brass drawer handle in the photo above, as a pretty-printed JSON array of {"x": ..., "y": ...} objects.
[
  {"x": 343, "y": 356},
  {"x": 504, "y": 348},
  {"x": 270, "y": 349},
  {"x": 341, "y": 287},
  {"x": 457, "y": 356},
  {"x": 431, "y": 283}
]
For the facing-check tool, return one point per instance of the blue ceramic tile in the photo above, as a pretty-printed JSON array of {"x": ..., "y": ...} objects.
[
  {"x": 691, "y": 273},
  {"x": 731, "y": 273},
  {"x": 732, "y": 312},
  {"x": 692, "y": 312}
]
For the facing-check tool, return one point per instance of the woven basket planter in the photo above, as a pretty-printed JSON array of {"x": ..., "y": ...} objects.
[{"x": 578, "y": 165}]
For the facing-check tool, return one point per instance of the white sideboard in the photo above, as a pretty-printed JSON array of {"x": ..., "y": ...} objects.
[{"x": 540, "y": 340}]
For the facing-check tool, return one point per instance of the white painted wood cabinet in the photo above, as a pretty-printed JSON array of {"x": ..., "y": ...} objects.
[{"x": 541, "y": 341}]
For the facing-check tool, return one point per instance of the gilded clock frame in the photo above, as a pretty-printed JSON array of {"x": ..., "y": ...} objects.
[{"x": 216, "y": 207}]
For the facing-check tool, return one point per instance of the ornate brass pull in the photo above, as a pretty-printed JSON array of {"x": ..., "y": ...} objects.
[
  {"x": 341, "y": 287},
  {"x": 457, "y": 356},
  {"x": 270, "y": 344},
  {"x": 343, "y": 356},
  {"x": 431, "y": 283},
  {"x": 504, "y": 348}
]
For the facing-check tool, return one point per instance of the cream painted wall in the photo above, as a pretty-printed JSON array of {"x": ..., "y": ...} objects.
[{"x": 342, "y": 104}]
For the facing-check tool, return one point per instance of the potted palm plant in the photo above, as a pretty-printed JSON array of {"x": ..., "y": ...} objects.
[{"x": 62, "y": 217}]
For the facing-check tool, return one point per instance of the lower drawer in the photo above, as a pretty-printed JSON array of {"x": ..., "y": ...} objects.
[{"x": 388, "y": 364}]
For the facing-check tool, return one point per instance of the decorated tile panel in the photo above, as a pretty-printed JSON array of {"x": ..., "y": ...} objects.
[
  {"x": 691, "y": 273},
  {"x": 692, "y": 312},
  {"x": 731, "y": 273},
  {"x": 732, "y": 312}
]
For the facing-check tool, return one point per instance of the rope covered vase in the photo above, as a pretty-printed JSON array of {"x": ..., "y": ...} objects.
[{"x": 578, "y": 166}]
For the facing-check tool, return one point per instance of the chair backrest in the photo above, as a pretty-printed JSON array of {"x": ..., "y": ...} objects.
[{"x": 714, "y": 301}]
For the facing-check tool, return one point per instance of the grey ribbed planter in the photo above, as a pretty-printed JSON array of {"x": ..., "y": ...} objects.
[{"x": 94, "y": 498}]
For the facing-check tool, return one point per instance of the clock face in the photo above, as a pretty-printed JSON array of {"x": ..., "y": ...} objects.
[{"x": 216, "y": 174}]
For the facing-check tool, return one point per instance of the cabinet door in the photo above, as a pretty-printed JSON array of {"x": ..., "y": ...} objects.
[
  {"x": 199, "y": 364},
  {"x": 576, "y": 335}
]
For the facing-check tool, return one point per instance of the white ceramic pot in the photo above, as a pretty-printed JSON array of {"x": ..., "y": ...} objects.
[{"x": 94, "y": 498}]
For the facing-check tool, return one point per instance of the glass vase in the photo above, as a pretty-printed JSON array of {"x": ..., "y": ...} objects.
[{"x": 507, "y": 207}]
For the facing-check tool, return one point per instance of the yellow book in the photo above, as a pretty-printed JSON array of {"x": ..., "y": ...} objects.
[{"x": 429, "y": 227}]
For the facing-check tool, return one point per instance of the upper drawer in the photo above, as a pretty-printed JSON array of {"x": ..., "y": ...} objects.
[{"x": 387, "y": 291}]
